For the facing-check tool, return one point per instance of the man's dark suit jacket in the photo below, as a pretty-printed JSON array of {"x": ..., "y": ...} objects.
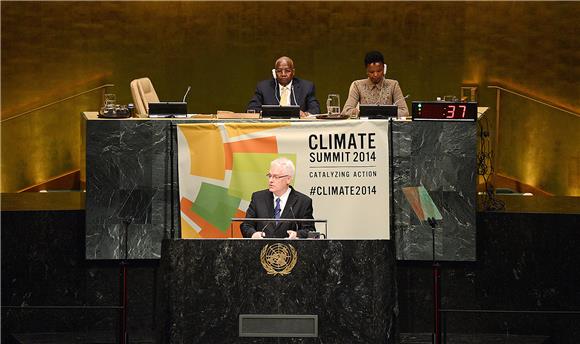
[
  {"x": 298, "y": 206},
  {"x": 267, "y": 91}
]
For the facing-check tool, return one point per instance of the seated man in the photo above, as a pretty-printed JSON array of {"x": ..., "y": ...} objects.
[
  {"x": 375, "y": 90},
  {"x": 280, "y": 200},
  {"x": 284, "y": 89}
]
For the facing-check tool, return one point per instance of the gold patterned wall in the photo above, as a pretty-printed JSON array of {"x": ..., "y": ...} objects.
[{"x": 51, "y": 50}]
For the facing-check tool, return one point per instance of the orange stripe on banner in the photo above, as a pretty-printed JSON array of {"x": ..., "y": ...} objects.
[
  {"x": 185, "y": 204},
  {"x": 236, "y": 225},
  {"x": 210, "y": 232},
  {"x": 207, "y": 229},
  {"x": 238, "y": 129},
  {"x": 259, "y": 145}
]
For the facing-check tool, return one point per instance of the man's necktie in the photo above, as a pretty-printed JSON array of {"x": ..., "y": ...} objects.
[
  {"x": 277, "y": 210},
  {"x": 285, "y": 96}
]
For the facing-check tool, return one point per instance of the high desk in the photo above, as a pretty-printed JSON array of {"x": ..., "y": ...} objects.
[
  {"x": 222, "y": 291},
  {"x": 127, "y": 164}
]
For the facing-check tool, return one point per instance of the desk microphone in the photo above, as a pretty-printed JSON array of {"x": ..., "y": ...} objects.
[
  {"x": 186, "y": 93},
  {"x": 275, "y": 85},
  {"x": 295, "y": 102},
  {"x": 405, "y": 97}
]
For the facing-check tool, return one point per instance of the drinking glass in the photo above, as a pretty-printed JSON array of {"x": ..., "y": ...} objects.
[
  {"x": 109, "y": 100},
  {"x": 333, "y": 105}
]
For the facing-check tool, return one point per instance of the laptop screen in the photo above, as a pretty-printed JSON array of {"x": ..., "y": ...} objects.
[
  {"x": 378, "y": 111},
  {"x": 168, "y": 109},
  {"x": 277, "y": 111}
]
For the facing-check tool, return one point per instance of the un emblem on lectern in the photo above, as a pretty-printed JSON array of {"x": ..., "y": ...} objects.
[{"x": 278, "y": 259}]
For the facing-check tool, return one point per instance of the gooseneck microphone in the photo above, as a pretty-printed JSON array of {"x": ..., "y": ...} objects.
[
  {"x": 405, "y": 97},
  {"x": 186, "y": 93},
  {"x": 275, "y": 86},
  {"x": 294, "y": 96},
  {"x": 263, "y": 230},
  {"x": 294, "y": 216}
]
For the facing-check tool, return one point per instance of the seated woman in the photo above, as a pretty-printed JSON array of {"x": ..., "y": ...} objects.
[{"x": 375, "y": 90}]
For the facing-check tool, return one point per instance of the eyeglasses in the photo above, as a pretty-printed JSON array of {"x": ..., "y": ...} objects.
[{"x": 275, "y": 176}]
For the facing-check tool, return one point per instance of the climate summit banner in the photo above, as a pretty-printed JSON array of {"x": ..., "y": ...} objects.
[{"x": 342, "y": 165}]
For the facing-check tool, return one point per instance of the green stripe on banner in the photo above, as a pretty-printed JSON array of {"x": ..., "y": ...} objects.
[
  {"x": 249, "y": 172},
  {"x": 215, "y": 205}
]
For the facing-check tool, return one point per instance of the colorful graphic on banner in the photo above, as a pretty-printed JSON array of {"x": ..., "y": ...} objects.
[{"x": 342, "y": 166}]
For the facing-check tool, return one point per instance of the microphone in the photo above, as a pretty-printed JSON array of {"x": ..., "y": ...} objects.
[
  {"x": 294, "y": 216},
  {"x": 311, "y": 234},
  {"x": 295, "y": 102},
  {"x": 275, "y": 86},
  {"x": 405, "y": 97},
  {"x": 186, "y": 93},
  {"x": 263, "y": 230}
]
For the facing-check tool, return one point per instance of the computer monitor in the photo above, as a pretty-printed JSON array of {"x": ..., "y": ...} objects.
[
  {"x": 378, "y": 111},
  {"x": 283, "y": 112},
  {"x": 167, "y": 109}
]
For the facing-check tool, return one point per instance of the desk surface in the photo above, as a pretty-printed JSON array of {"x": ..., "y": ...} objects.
[{"x": 93, "y": 115}]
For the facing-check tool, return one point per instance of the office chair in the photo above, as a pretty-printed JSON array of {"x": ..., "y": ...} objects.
[{"x": 143, "y": 94}]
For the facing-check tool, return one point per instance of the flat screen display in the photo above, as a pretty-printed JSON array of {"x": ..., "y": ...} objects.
[
  {"x": 277, "y": 111},
  {"x": 378, "y": 111}
]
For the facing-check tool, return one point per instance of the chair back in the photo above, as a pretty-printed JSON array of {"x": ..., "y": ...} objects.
[{"x": 143, "y": 94}]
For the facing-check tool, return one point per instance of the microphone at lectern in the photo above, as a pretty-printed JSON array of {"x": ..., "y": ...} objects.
[
  {"x": 311, "y": 234},
  {"x": 294, "y": 217},
  {"x": 263, "y": 230}
]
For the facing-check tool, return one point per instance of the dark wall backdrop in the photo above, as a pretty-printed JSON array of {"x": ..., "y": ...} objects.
[
  {"x": 222, "y": 49},
  {"x": 43, "y": 265},
  {"x": 51, "y": 50}
]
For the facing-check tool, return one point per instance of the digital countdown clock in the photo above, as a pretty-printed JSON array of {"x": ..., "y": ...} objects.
[{"x": 444, "y": 111}]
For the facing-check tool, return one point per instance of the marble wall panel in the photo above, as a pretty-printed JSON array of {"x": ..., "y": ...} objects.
[{"x": 441, "y": 157}]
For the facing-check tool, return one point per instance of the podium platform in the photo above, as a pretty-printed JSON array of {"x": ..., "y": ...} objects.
[{"x": 207, "y": 284}]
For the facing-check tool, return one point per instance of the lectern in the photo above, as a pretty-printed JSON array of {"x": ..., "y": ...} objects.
[{"x": 216, "y": 291}]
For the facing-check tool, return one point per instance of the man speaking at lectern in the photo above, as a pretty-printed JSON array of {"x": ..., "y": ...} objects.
[{"x": 280, "y": 200}]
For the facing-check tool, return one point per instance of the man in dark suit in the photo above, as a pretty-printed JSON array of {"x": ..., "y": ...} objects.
[
  {"x": 284, "y": 89},
  {"x": 280, "y": 200}
]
